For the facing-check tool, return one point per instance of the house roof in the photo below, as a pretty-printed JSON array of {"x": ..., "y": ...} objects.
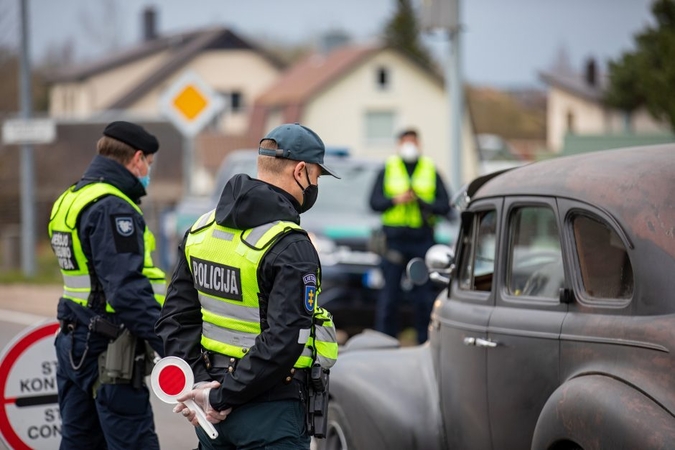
[
  {"x": 317, "y": 71},
  {"x": 312, "y": 74},
  {"x": 183, "y": 46},
  {"x": 575, "y": 84}
]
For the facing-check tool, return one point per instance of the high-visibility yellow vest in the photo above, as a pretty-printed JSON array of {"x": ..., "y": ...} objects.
[
  {"x": 224, "y": 264},
  {"x": 68, "y": 248},
  {"x": 397, "y": 181}
]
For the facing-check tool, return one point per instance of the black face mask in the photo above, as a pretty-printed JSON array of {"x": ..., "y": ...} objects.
[{"x": 309, "y": 194}]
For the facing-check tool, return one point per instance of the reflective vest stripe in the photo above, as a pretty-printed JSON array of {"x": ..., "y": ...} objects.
[
  {"x": 228, "y": 336},
  {"x": 258, "y": 232},
  {"x": 227, "y": 309},
  {"x": 72, "y": 294},
  {"x": 203, "y": 219},
  {"x": 325, "y": 334},
  {"x": 77, "y": 281},
  {"x": 233, "y": 323},
  {"x": 307, "y": 353},
  {"x": 224, "y": 235},
  {"x": 158, "y": 287}
]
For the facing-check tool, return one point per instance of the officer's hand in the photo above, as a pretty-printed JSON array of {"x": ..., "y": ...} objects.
[
  {"x": 406, "y": 197},
  {"x": 200, "y": 395}
]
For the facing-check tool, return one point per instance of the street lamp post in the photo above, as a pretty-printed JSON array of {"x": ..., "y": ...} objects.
[{"x": 27, "y": 160}]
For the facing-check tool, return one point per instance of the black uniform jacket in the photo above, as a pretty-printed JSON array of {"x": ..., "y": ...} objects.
[
  {"x": 439, "y": 207},
  {"x": 246, "y": 203},
  {"x": 116, "y": 259}
]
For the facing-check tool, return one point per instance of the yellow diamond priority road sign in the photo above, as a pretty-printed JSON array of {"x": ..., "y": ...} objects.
[{"x": 190, "y": 103}]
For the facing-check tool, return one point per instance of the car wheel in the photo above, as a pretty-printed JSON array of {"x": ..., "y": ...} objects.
[{"x": 338, "y": 434}]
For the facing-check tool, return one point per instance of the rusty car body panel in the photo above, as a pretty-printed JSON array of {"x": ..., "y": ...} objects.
[{"x": 557, "y": 331}]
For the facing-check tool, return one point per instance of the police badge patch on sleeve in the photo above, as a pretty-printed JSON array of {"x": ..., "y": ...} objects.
[
  {"x": 310, "y": 291},
  {"x": 124, "y": 234},
  {"x": 125, "y": 226}
]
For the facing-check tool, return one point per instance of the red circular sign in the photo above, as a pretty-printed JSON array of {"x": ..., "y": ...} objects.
[
  {"x": 172, "y": 380},
  {"x": 29, "y": 416}
]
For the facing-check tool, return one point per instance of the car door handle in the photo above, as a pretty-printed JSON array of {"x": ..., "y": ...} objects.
[{"x": 480, "y": 342}]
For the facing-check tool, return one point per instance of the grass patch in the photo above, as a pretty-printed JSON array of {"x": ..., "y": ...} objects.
[{"x": 46, "y": 269}]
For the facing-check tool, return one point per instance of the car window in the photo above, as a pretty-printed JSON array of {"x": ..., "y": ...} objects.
[
  {"x": 535, "y": 256},
  {"x": 606, "y": 271},
  {"x": 478, "y": 254},
  {"x": 351, "y": 192}
]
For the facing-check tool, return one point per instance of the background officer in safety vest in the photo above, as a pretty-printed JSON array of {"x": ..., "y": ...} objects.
[
  {"x": 242, "y": 308},
  {"x": 111, "y": 297},
  {"x": 410, "y": 194}
]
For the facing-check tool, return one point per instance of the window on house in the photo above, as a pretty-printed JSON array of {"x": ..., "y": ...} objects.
[
  {"x": 478, "y": 255},
  {"x": 535, "y": 255},
  {"x": 382, "y": 80},
  {"x": 236, "y": 101},
  {"x": 570, "y": 122},
  {"x": 379, "y": 126},
  {"x": 606, "y": 271}
]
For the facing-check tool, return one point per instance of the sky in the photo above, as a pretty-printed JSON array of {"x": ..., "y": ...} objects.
[{"x": 505, "y": 43}]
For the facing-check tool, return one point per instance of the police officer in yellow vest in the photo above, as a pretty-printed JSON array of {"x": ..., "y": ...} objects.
[
  {"x": 411, "y": 195},
  {"x": 243, "y": 304},
  {"x": 112, "y": 296}
]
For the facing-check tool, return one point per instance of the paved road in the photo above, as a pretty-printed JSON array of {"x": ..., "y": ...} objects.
[{"x": 21, "y": 306}]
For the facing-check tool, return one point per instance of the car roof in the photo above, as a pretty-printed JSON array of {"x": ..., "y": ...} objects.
[{"x": 635, "y": 185}]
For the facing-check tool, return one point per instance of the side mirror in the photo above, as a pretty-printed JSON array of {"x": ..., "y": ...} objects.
[
  {"x": 417, "y": 271},
  {"x": 440, "y": 258}
]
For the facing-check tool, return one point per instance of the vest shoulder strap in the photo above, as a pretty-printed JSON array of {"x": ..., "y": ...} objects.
[
  {"x": 264, "y": 235},
  {"x": 76, "y": 201},
  {"x": 204, "y": 221}
]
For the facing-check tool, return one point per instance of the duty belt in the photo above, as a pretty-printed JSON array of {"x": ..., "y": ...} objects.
[{"x": 218, "y": 360}]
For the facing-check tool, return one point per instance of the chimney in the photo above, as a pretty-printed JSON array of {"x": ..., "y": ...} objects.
[
  {"x": 331, "y": 40},
  {"x": 149, "y": 24},
  {"x": 591, "y": 72}
]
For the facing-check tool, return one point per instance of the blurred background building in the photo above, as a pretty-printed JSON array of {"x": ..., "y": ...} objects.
[{"x": 356, "y": 90}]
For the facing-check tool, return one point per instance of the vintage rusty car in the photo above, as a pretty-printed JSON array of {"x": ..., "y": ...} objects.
[{"x": 557, "y": 327}]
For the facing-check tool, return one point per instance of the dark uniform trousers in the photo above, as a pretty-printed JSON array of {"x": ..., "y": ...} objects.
[
  {"x": 120, "y": 417},
  {"x": 390, "y": 298},
  {"x": 272, "y": 425}
]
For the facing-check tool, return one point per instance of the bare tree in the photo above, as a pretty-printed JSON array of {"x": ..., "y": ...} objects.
[{"x": 103, "y": 26}]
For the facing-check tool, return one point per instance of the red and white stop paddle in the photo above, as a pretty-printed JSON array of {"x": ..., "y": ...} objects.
[{"x": 172, "y": 377}]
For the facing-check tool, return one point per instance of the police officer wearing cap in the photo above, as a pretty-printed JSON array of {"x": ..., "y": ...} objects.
[
  {"x": 242, "y": 308},
  {"x": 411, "y": 196},
  {"x": 112, "y": 295}
]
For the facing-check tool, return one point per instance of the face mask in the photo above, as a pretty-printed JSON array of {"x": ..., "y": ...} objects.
[
  {"x": 409, "y": 152},
  {"x": 145, "y": 180},
  {"x": 309, "y": 194}
]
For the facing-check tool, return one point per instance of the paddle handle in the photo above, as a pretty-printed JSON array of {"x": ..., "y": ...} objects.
[{"x": 201, "y": 417}]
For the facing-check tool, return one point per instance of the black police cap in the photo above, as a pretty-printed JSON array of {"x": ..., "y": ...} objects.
[{"x": 132, "y": 135}]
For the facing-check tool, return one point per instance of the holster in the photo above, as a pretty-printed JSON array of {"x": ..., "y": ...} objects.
[
  {"x": 123, "y": 362},
  {"x": 317, "y": 401}
]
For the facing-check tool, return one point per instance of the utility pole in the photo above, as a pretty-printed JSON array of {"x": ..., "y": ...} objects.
[
  {"x": 445, "y": 15},
  {"x": 456, "y": 92},
  {"x": 27, "y": 160}
]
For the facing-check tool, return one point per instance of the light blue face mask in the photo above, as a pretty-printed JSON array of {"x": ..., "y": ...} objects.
[{"x": 145, "y": 181}]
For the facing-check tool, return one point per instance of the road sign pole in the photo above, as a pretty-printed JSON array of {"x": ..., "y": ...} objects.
[
  {"x": 27, "y": 162},
  {"x": 188, "y": 164}
]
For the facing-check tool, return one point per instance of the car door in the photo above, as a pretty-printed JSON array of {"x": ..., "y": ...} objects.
[
  {"x": 524, "y": 328},
  {"x": 463, "y": 318}
]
